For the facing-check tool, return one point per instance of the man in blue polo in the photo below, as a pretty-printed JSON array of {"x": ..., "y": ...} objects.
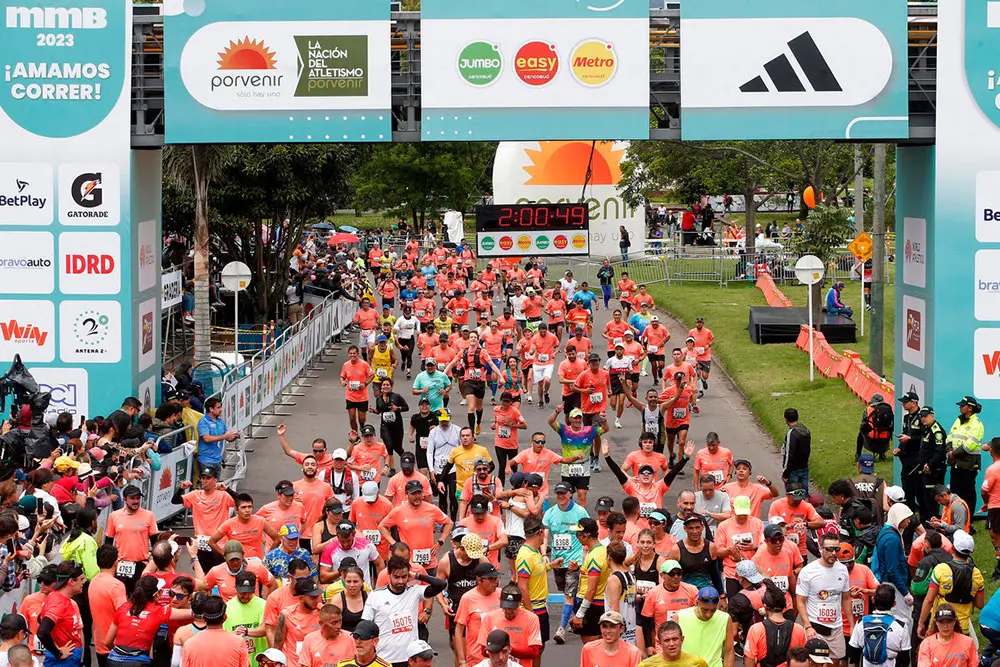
[{"x": 213, "y": 434}]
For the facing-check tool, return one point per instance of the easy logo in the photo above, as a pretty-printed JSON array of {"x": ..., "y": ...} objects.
[
  {"x": 480, "y": 63},
  {"x": 14, "y": 332},
  {"x": 560, "y": 242},
  {"x": 536, "y": 63},
  {"x": 506, "y": 243},
  {"x": 594, "y": 63}
]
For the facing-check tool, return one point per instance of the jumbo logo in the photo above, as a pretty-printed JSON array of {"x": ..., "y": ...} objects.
[
  {"x": 536, "y": 63},
  {"x": 594, "y": 63}
]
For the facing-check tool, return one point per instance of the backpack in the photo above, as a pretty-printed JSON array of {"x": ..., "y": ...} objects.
[
  {"x": 876, "y": 635},
  {"x": 881, "y": 421},
  {"x": 961, "y": 583},
  {"x": 779, "y": 639}
]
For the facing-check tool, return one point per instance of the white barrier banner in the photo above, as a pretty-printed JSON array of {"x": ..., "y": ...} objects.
[
  {"x": 172, "y": 289},
  {"x": 244, "y": 403},
  {"x": 176, "y": 467},
  {"x": 257, "y": 389},
  {"x": 269, "y": 380}
]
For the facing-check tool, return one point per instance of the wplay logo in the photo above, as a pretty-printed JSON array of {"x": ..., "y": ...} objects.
[
  {"x": 89, "y": 194},
  {"x": 25, "y": 194}
]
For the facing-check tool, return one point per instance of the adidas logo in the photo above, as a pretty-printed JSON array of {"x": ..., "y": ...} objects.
[{"x": 784, "y": 78}]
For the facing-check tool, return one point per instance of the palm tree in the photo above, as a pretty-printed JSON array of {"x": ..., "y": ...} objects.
[{"x": 193, "y": 168}]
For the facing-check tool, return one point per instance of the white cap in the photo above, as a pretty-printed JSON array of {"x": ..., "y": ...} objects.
[
  {"x": 778, "y": 520},
  {"x": 654, "y": 318},
  {"x": 963, "y": 542},
  {"x": 22, "y": 523},
  {"x": 419, "y": 648},
  {"x": 895, "y": 494},
  {"x": 369, "y": 491},
  {"x": 340, "y": 454},
  {"x": 272, "y": 654}
]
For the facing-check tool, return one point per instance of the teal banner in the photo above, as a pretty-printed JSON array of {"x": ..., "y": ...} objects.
[
  {"x": 794, "y": 69},
  {"x": 250, "y": 71}
]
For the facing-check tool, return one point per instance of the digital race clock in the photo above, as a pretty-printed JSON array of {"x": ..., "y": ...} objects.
[{"x": 533, "y": 229}]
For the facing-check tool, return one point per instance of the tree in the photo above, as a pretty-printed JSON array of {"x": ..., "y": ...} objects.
[
  {"x": 193, "y": 169},
  {"x": 416, "y": 180}
]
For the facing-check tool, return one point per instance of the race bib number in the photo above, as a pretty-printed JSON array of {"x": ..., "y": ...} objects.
[
  {"x": 857, "y": 607},
  {"x": 642, "y": 586},
  {"x": 373, "y": 536},
  {"x": 717, "y": 474},
  {"x": 422, "y": 556},
  {"x": 781, "y": 582},
  {"x": 652, "y": 349},
  {"x": 792, "y": 537},
  {"x": 382, "y": 372},
  {"x": 827, "y": 613},
  {"x": 645, "y": 509},
  {"x": 126, "y": 568},
  {"x": 389, "y": 417},
  {"x": 652, "y": 425},
  {"x": 617, "y": 341},
  {"x": 679, "y": 413},
  {"x": 556, "y": 314},
  {"x": 596, "y": 397},
  {"x": 368, "y": 475},
  {"x": 626, "y": 294},
  {"x": 561, "y": 542},
  {"x": 542, "y": 358},
  {"x": 576, "y": 470},
  {"x": 39, "y": 647},
  {"x": 421, "y": 312},
  {"x": 699, "y": 350},
  {"x": 354, "y": 385},
  {"x": 423, "y": 443},
  {"x": 475, "y": 373},
  {"x": 743, "y": 540},
  {"x": 203, "y": 544},
  {"x": 503, "y": 432},
  {"x": 402, "y": 624},
  {"x": 441, "y": 366},
  {"x": 251, "y": 646}
]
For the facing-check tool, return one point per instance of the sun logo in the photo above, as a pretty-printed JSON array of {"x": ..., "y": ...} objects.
[
  {"x": 247, "y": 54},
  {"x": 565, "y": 163}
]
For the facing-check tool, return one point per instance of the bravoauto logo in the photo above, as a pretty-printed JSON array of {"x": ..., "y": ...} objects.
[
  {"x": 480, "y": 63},
  {"x": 594, "y": 63},
  {"x": 246, "y": 55},
  {"x": 536, "y": 63}
]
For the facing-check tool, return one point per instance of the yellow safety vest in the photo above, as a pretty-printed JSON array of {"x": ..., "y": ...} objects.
[{"x": 968, "y": 435}]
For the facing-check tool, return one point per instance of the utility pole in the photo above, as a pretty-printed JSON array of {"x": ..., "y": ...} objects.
[
  {"x": 878, "y": 263},
  {"x": 859, "y": 190}
]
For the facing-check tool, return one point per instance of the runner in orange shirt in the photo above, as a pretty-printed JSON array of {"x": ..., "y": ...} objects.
[
  {"x": 594, "y": 386},
  {"x": 213, "y": 646},
  {"x": 645, "y": 455},
  {"x": 641, "y": 299},
  {"x": 313, "y": 494},
  {"x": 779, "y": 560},
  {"x": 579, "y": 341},
  {"x": 579, "y": 318},
  {"x": 543, "y": 349},
  {"x": 532, "y": 307},
  {"x": 662, "y": 602},
  {"x": 105, "y": 596},
  {"x": 298, "y": 620},
  {"x": 493, "y": 340},
  {"x": 460, "y": 306},
  {"x": 476, "y": 603},
  {"x": 223, "y": 577},
  {"x": 679, "y": 365},
  {"x": 714, "y": 460},
  {"x": 655, "y": 338},
  {"x": 389, "y": 288},
  {"x": 737, "y": 539},
  {"x": 476, "y": 364},
  {"x": 367, "y": 513},
  {"x": 759, "y": 491},
  {"x": 610, "y": 650},
  {"x": 507, "y": 420},
  {"x": 614, "y": 332},
  {"x": 556, "y": 310},
  {"x": 281, "y": 511},
  {"x": 523, "y": 350},
  {"x": 395, "y": 490},
  {"x": 675, "y": 404},
  {"x": 626, "y": 290},
  {"x": 416, "y": 522},
  {"x": 487, "y": 526},
  {"x": 132, "y": 528},
  {"x": 569, "y": 370},
  {"x": 539, "y": 460},
  {"x": 355, "y": 376},
  {"x": 521, "y": 625},
  {"x": 799, "y": 514},
  {"x": 703, "y": 341},
  {"x": 210, "y": 507},
  {"x": 246, "y": 528},
  {"x": 328, "y": 645},
  {"x": 863, "y": 584},
  {"x": 948, "y": 647},
  {"x": 424, "y": 308},
  {"x": 367, "y": 320},
  {"x": 645, "y": 487},
  {"x": 369, "y": 458}
]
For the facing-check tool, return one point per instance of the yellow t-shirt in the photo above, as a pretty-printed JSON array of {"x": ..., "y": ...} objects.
[
  {"x": 443, "y": 326},
  {"x": 335, "y": 589},
  {"x": 382, "y": 363},
  {"x": 596, "y": 562},
  {"x": 941, "y": 575},
  {"x": 464, "y": 462},
  {"x": 684, "y": 660},
  {"x": 531, "y": 566},
  {"x": 391, "y": 319}
]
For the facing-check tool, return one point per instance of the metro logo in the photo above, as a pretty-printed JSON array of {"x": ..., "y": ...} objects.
[
  {"x": 101, "y": 265},
  {"x": 14, "y": 332}
]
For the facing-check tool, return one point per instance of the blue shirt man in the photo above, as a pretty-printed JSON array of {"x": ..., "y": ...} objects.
[
  {"x": 434, "y": 382},
  {"x": 585, "y": 298},
  {"x": 212, "y": 436},
  {"x": 639, "y": 322}
]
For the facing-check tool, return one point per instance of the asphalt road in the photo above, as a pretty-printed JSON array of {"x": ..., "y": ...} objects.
[{"x": 320, "y": 413}]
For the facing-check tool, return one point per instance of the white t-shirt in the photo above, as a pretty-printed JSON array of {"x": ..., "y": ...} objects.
[
  {"x": 406, "y": 328},
  {"x": 516, "y": 305},
  {"x": 897, "y": 639},
  {"x": 396, "y": 617},
  {"x": 569, "y": 287},
  {"x": 515, "y": 524},
  {"x": 614, "y": 365},
  {"x": 823, "y": 587},
  {"x": 363, "y": 553}
]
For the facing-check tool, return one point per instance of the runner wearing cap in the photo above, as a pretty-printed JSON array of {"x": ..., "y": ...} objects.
[
  {"x": 474, "y": 604},
  {"x": 645, "y": 486},
  {"x": 210, "y": 506},
  {"x": 245, "y": 615},
  {"x": 710, "y": 631},
  {"x": 213, "y": 646},
  {"x": 489, "y": 527},
  {"x": 662, "y": 602},
  {"x": 432, "y": 384},
  {"x": 580, "y": 323},
  {"x": 497, "y": 651},
  {"x": 565, "y": 547},
  {"x": 520, "y": 624},
  {"x": 703, "y": 341},
  {"x": 369, "y": 458},
  {"x": 279, "y": 512},
  {"x": 224, "y": 575},
  {"x": 421, "y": 654},
  {"x": 610, "y": 650},
  {"x": 958, "y": 582},
  {"x": 288, "y": 548},
  {"x": 298, "y": 620},
  {"x": 947, "y": 647},
  {"x": 396, "y": 608},
  {"x": 246, "y": 528},
  {"x": 757, "y": 491},
  {"x": 14, "y": 632},
  {"x": 655, "y": 337},
  {"x": 799, "y": 514},
  {"x": 636, "y": 352},
  {"x": 532, "y": 569},
  {"x": 132, "y": 528},
  {"x": 458, "y": 569},
  {"x": 539, "y": 460},
  {"x": 779, "y": 560},
  {"x": 577, "y": 439},
  {"x": 396, "y": 489},
  {"x": 736, "y": 540},
  {"x": 421, "y": 424},
  {"x": 618, "y": 366}
]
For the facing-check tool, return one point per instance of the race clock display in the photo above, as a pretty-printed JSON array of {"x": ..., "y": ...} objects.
[{"x": 532, "y": 229}]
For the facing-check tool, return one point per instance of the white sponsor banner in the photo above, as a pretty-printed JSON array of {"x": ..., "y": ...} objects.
[
  {"x": 914, "y": 384},
  {"x": 147, "y": 255},
  {"x": 175, "y": 468},
  {"x": 90, "y": 263},
  {"x": 27, "y": 263},
  {"x": 90, "y": 331},
  {"x": 915, "y": 252},
  {"x": 27, "y": 328},
  {"x": 986, "y": 363},
  {"x": 69, "y": 388},
  {"x": 171, "y": 289},
  {"x": 89, "y": 194},
  {"x": 914, "y": 330},
  {"x": 26, "y": 193}
]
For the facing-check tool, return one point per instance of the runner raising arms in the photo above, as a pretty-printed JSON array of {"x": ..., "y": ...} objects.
[{"x": 675, "y": 404}]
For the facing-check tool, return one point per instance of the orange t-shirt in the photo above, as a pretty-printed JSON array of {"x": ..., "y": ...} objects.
[
  {"x": 959, "y": 652},
  {"x": 594, "y": 655},
  {"x": 805, "y": 511},
  {"x": 471, "y": 609},
  {"x": 395, "y": 490},
  {"x": 663, "y": 605},
  {"x": 524, "y": 631},
  {"x": 388, "y": 289},
  {"x": 319, "y": 652},
  {"x": 756, "y": 641},
  {"x": 524, "y": 351},
  {"x": 686, "y": 368},
  {"x": 556, "y": 310},
  {"x": 493, "y": 343},
  {"x": 460, "y": 306},
  {"x": 532, "y": 307},
  {"x": 862, "y": 577},
  {"x": 276, "y": 517},
  {"x": 655, "y": 336},
  {"x": 31, "y": 608},
  {"x": 423, "y": 309},
  {"x": 540, "y": 463},
  {"x": 383, "y": 574},
  {"x": 545, "y": 348},
  {"x": 474, "y": 373},
  {"x": 650, "y": 498},
  {"x": 367, "y": 319},
  {"x": 779, "y": 568},
  {"x": 615, "y": 329},
  {"x": 639, "y": 458},
  {"x": 757, "y": 493},
  {"x": 208, "y": 511},
  {"x": 220, "y": 576},
  {"x": 507, "y": 326},
  {"x": 416, "y": 528},
  {"x": 371, "y": 459},
  {"x": 571, "y": 370},
  {"x": 719, "y": 464},
  {"x": 600, "y": 382},
  {"x": 367, "y": 516},
  {"x": 279, "y": 598},
  {"x": 249, "y": 534},
  {"x": 442, "y": 355},
  {"x": 471, "y": 487},
  {"x": 489, "y": 530},
  {"x": 917, "y": 549},
  {"x": 427, "y": 342},
  {"x": 626, "y": 289},
  {"x": 680, "y": 413},
  {"x": 131, "y": 533},
  {"x": 578, "y": 315},
  {"x": 215, "y": 648},
  {"x": 106, "y": 595},
  {"x": 507, "y": 421},
  {"x": 639, "y": 299},
  {"x": 635, "y": 351},
  {"x": 702, "y": 340},
  {"x": 298, "y": 624},
  {"x": 583, "y": 347},
  {"x": 991, "y": 486},
  {"x": 745, "y": 538},
  {"x": 313, "y": 495},
  {"x": 357, "y": 374}
]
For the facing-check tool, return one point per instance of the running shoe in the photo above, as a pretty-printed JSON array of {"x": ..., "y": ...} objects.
[
  {"x": 479, "y": 429},
  {"x": 529, "y": 398},
  {"x": 695, "y": 409},
  {"x": 618, "y": 423},
  {"x": 463, "y": 402},
  {"x": 560, "y": 636}
]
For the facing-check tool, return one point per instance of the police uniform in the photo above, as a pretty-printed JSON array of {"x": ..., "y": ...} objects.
[
  {"x": 932, "y": 464},
  {"x": 909, "y": 456},
  {"x": 964, "y": 449}
]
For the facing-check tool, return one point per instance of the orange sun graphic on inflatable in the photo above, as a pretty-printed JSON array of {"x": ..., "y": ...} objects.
[
  {"x": 247, "y": 54},
  {"x": 565, "y": 163}
]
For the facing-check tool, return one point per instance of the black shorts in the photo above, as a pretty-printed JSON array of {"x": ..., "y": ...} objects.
[
  {"x": 475, "y": 387},
  {"x": 358, "y": 405},
  {"x": 514, "y": 544},
  {"x": 555, "y": 327},
  {"x": 993, "y": 520},
  {"x": 589, "y": 417},
  {"x": 633, "y": 378},
  {"x": 657, "y": 357},
  {"x": 591, "y": 620},
  {"x": 705, "y": 366},
  {"x": 570, "y": 401},
  {"x": 577, "y": 483},
  {"x": 421, "y": 455},
  {"x": 543, "y": 624},
  {"x": 674, "y": 430}
]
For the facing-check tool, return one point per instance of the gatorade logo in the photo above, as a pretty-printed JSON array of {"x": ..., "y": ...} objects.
[
  {"x": 542, "y": 242},
  {"x": 488, "y": 243},
  {"x": 536, "y": 63},
  {"x": 560, "y": 242},
  {"x": 480, "y": 63},
  {"x": 506, "y": 243},
  {"x": 594, "y": 63},
  {"x": 579, "y": 241}
]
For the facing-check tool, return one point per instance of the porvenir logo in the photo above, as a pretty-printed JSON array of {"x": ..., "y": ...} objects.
[
  {"x": 594, "y": 63},
  {"x": 246, "y": 55},
  {"x": 536, "y": 63},
  {"x": 480, "y": 63}
]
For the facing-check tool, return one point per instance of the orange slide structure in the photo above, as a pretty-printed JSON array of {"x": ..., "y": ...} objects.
[
  {"x": 860, "y": 379},
  {"x": 774, "y": 296}
]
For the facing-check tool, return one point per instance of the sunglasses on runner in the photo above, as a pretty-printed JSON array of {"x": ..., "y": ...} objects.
[
  {"x": 776, "y": 539},
  {"x": 538, "y": 442},
  {"x": 483, "y": 469},
  {"x": 831, "y": 550},
  {"x": 178, "y": 596},
  {"x": 654, "y": 522},
  {"x": 319, "y": 451}
]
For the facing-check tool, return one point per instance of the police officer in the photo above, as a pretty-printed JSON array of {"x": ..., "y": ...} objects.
[
  {"x": 932, "y": 461},
  {"x": 908, "y": 451},
  {"x": 964, "y": 450}
]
